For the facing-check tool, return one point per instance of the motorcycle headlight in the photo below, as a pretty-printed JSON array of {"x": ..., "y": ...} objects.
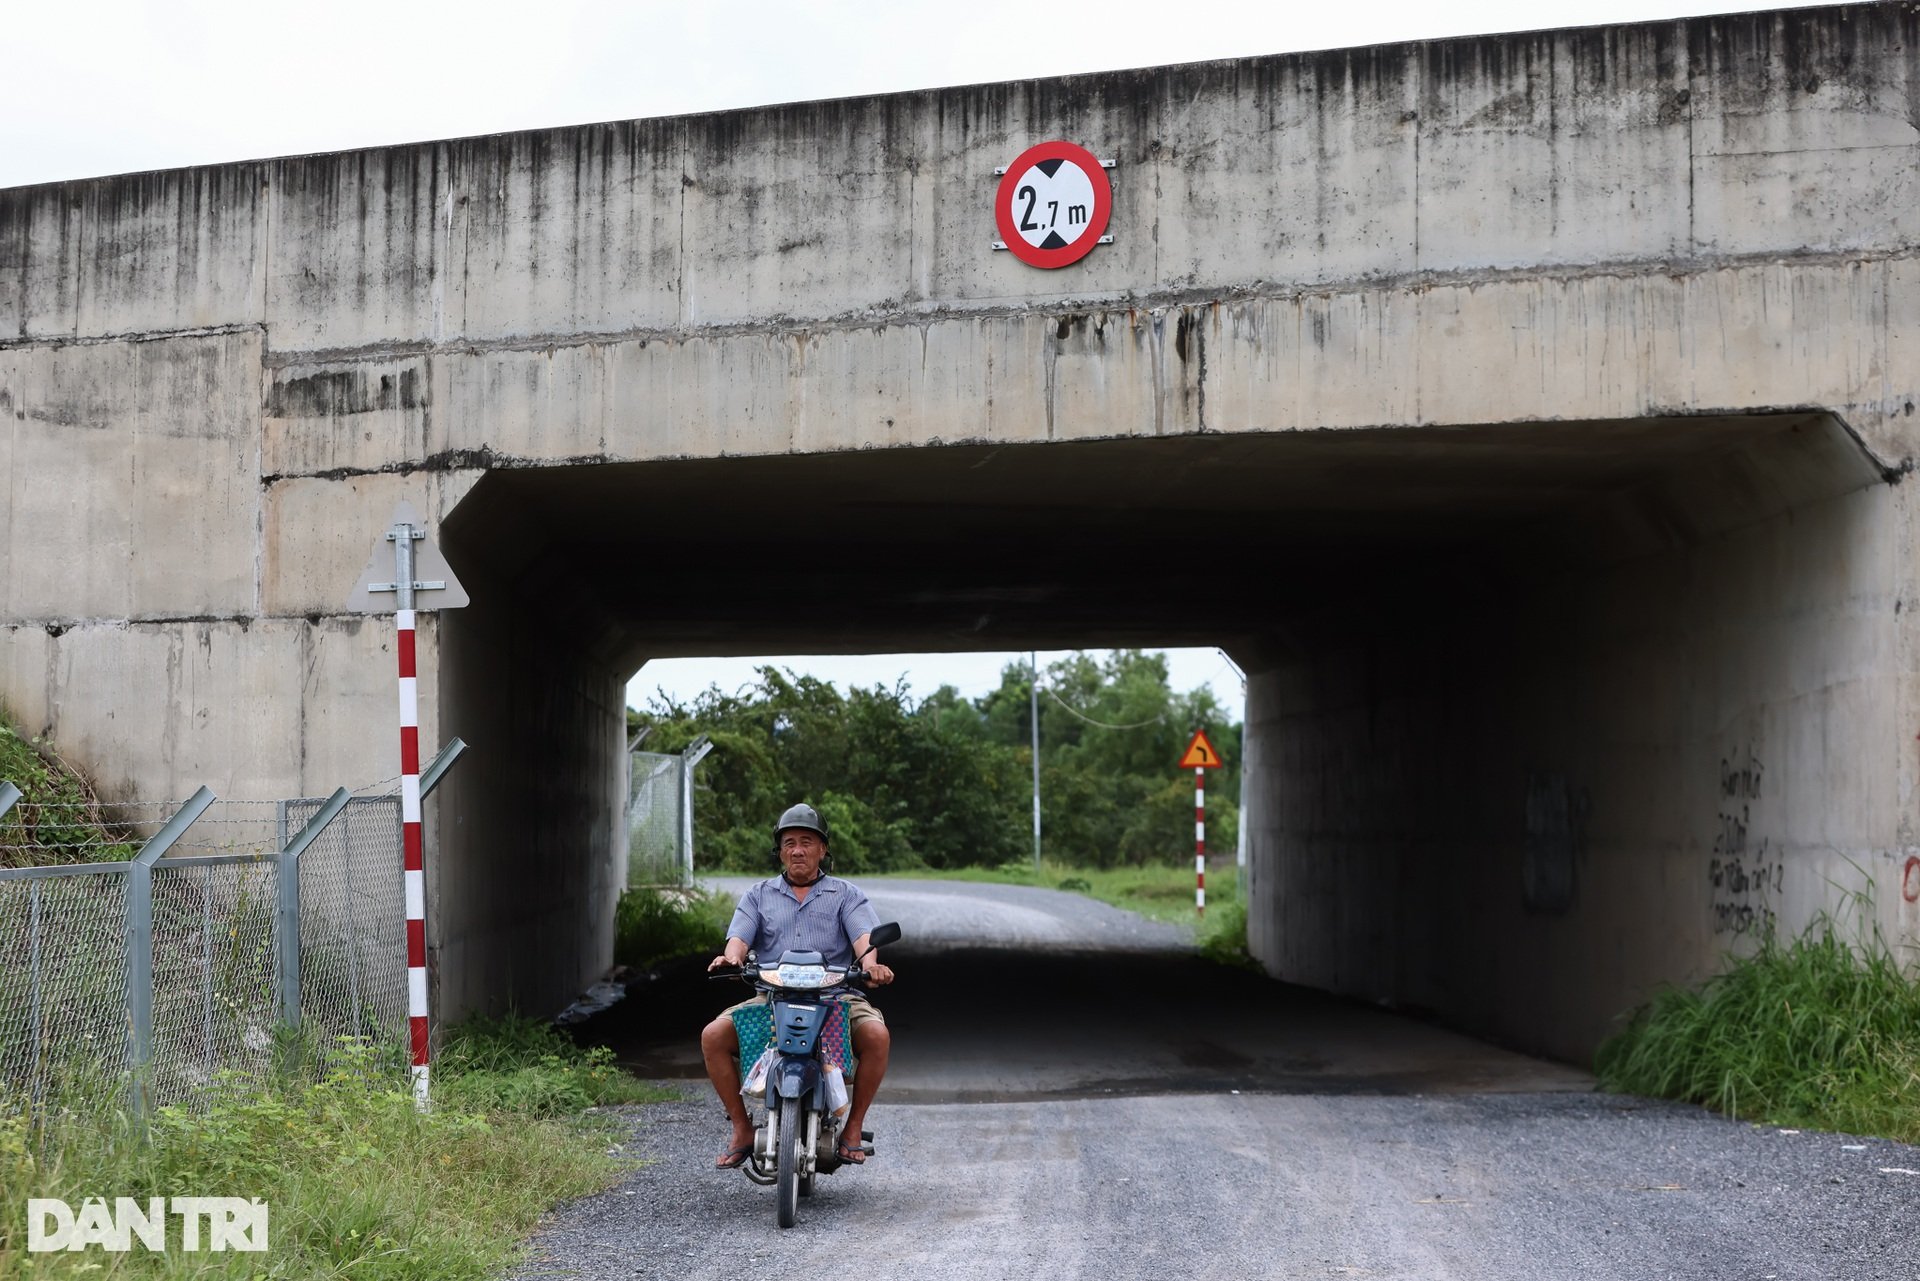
[{"x": 801, "y": 976}]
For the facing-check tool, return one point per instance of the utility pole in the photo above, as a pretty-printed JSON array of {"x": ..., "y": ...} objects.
[{"x": 1033, "y": 708}]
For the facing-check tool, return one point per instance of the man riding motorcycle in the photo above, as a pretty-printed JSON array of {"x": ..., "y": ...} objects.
[{"x": 801, "y": 908}]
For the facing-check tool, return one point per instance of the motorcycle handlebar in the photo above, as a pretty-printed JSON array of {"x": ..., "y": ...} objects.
[{"x": 855, "y": 977}]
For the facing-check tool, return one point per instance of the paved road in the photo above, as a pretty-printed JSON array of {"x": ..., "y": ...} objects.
[{"x": 1135, "y": 1113}]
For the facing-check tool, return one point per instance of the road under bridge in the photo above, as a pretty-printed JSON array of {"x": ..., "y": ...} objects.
[
  {"x": 1527, "y": 414},
  {"x": 1136, "y": 1111}
]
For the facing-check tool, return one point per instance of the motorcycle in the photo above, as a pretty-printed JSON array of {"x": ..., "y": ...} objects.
[{"x": 795, "y": 1135}]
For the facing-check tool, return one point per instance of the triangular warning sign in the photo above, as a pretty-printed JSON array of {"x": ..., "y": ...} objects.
[{"x": 1200, "y": 753}]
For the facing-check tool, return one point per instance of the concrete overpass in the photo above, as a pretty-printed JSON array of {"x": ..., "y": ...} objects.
[{"x": 1526, "y": 413}]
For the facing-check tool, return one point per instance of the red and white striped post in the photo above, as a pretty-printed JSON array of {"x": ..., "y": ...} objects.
[
  {"x": 411, "y": 549},
  {"x": 1200, "y": 757},
  {"x": 1200, "y": 840},
  {"x": 411, "y": 846}
]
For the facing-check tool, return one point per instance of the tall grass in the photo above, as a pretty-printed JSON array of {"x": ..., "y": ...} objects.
[
  {"x": 358, "y": 1183},
  {"x": 1820, "y": 1031},
  {"x": 651, "y": 925}
]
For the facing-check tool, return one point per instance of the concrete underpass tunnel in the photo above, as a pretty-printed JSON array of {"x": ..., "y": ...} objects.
[{"x": 1495, "y": 672}]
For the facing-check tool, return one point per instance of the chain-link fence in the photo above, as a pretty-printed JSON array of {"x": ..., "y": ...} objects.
[
  {"x": 231, "y": 936},
  {"x": 353, "y": 923},
  {"x": 653, "y": 820},
  {"x": 660, "y": 815},
  {"x": 213, "y": 971},
  {"x": 63, "y": 982}
]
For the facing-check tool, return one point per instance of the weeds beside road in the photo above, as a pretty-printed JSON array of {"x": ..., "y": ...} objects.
[
  {"x": 1820, "y": 1031},
  {"x": 359, "y": 1184}
]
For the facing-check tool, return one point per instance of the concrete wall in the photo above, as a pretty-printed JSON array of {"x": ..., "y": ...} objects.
[
  {"x": 215, "y": 383},
  {"x": 532, "y": 816},
  {"x": 1526, "y": 807}
]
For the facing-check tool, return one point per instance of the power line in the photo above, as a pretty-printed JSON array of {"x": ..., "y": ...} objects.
[{"x": 1102, "y": 724}]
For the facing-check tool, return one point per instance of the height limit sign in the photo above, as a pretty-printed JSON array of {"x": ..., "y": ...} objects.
[{"x": 1053, "y": 205}]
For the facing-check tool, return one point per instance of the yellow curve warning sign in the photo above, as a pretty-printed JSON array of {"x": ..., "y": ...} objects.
[{"x": 1200, "y": 753}]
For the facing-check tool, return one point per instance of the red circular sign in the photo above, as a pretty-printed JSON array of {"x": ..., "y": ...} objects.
[{"x": 1053, "y": 204}]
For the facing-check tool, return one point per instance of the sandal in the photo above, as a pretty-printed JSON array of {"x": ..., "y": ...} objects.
[
  {"x": 849, "y": 1154},
  {"x": 734, "y": 1158}
]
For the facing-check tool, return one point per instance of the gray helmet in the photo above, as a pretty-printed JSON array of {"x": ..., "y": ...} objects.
[{"x": 804, "y": 816}]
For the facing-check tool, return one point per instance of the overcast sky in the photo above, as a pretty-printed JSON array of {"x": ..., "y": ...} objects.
[{"x": 101, "y": 88}]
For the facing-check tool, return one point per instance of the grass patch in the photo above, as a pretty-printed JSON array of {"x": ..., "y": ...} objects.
[
  {"x": 1821, "y": 1031},
  {"x": 651, "y": 926},
  {"x": 359, "y": 1183},
  {"x": 1157, "y": 891},
  {"x": 522, "y": 1067},
  {"x": 1223, "y": 936}
]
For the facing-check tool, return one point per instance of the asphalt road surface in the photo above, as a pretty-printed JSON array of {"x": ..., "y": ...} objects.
[{"x": 1075, "y": 1094}]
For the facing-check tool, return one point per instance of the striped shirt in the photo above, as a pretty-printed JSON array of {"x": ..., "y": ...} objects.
[{"x": 772, "y": 920}]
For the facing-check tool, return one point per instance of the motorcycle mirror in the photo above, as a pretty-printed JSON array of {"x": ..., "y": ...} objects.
[{"x": 880, "y": 937}]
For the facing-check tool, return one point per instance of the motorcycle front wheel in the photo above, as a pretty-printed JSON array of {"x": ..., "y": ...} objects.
[{"x": 787, "y": 1180}]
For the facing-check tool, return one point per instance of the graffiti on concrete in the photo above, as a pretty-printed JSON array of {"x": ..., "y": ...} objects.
[
  {"x": 1910, "y": 881},
  {"x": 1746, "y": 877}
]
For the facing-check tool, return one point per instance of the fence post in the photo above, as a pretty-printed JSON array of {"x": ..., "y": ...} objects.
[
  {"x": 286, "y": 904},
  {"x": 442, "y": 762},
  {"x": 9, "y": 795},
  {"x": 140, "y": 943},
  {"x": 695, "y": 753}
]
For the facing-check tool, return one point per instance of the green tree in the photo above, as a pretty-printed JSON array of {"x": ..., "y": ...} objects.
[{"x": 947, "y": 782}]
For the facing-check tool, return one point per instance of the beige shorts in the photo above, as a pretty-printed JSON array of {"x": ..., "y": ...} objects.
[{"x": 858, "y": 1009}]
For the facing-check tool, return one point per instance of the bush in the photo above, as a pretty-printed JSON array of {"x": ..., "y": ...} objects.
[
  {"x": 651, "y": 926},
  {"x": 1820, "y": 1032}
]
